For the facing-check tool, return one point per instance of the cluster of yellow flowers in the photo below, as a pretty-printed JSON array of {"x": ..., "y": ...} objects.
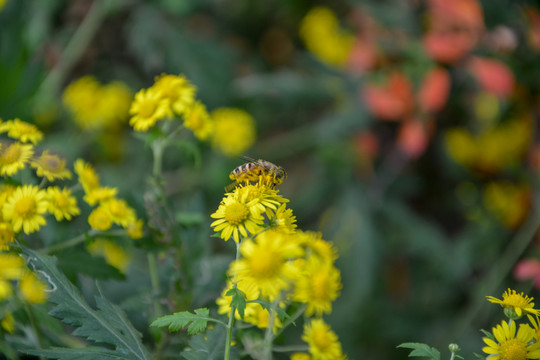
[
  {"x": 323, "y": 36},
  {"x": 95, "y": 106},
  {"x": 230, "y": 130},
  {"x": 506, "y": 341},
  {"x": 279, "y": 264},
  {"x": 24, "y": 207}
]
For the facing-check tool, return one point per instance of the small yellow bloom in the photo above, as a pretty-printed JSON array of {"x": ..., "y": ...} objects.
[
  {"x": 519, "y": 303},
  {"x": 11, "y": 266},
  {"x": 32, "y": 289},
  {"x": 100, "y": 219},
  {"x": 88, "y": 177},
  {"x": 512, "y": 346},
  {"x": 25, "y": 209},
  {"x": 8, "y": 322},
  {"x": 61, "y": 203},
  {"x": 198, "y": 120},
  {"x": 116, "y": 99},
  {"x": 14, "y": 157},
  {"x": 6, "y": 290},
  {"x": 50, "y": 166},
  {"x": 178, "y": 92},
  {"x": 114, "y": 254},
  {"x": 119, "y": 211},
  {"x": 147, "y": 108},
  {"x": 234, "y": 131},
  {"x": 22, "y": 131},
  {"x": 510, "y": 203},
  {"x": 323, "y": 342},
  {"x": 6, "y": 236},
  {"x": 99, "y": 195},
  {"x": 135, "y": 229},
  {"x": 284, "y": 220}
]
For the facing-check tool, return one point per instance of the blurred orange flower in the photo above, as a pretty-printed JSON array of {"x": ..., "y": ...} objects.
[
  {"x": 492, "y": 75},
  {"x": 528, "y": 269},
  {"x": 434, "y": 90},
  {"x": 391, "y": 101}
]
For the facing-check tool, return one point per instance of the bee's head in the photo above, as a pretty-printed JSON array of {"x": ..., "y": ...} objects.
[{"x": 280, "y": 174}]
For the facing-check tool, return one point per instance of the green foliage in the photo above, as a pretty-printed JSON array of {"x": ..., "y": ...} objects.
[
  {"x": 265, "y": 304},
  {"x": 107, "y": 324},
  {"x": 195, "y": 323},
  {"x": 238, "y": 300},
  {"x": 421, "y": 350},
  {"x": 208, "y": 346}
]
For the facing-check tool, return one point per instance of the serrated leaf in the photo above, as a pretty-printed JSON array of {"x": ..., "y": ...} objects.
[
  {"x": 108, "y": 324},
  {"x": 238, "y": 300},
  {"x": 421, "y": 350},
  {"x": 86, "y": 353},
  {"x": 195, "y": 323},
  {"x": 267, "y": 306}
]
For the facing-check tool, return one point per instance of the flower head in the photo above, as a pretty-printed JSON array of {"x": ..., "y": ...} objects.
[
  {"x": 88, "y": 177},
  {"x": 176, "y": 90},
  {"x": 284, "y": 220},
  {"x": 100, "y": 219},
  {"x": 234, "y": 131},
  {"x": 198, "y": 120},
  {"x": 119, "y": 211},
  {"x": 14, "y": 157},
  {"x": 518, "y": 303},
  {"x": 32, "y": 289},
  {"x": 25, "y": 209},
  {"x": 512, "y": 346},
  {"x": 22, "y": 131},
  {"x": 323, "y": 342},
  {"x": 100, "y": 194},
  {"x": 61, "y": 203},
  {"x": 147, "y": 108},
  {"x": 50, "y": 166}
]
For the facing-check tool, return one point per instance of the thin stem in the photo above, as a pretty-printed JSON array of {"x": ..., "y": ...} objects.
[
  {"x": 68, "y": 243},
  {"x": 228, "y": 338},
  {"x": 291, "y": 348},
  {"x": 33, "y": 324},
  {"x": 154, "y": 281},
  {"x": 269, "y": 334}
]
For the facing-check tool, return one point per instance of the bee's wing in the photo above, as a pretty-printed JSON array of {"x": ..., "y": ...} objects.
[{"x": 249, "y": 159}]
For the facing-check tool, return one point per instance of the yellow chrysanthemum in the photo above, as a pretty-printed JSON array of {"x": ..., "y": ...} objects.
[
  {"x": 198, "y": 120},
  {"x": 518, "y": 303},
  {"x": 147, "y": 108},
  {"x": 11, "y": 266},
  {"x": 323, "y": 36},
  {"x": 266, "y": 262},
  {"x": 6, "y": 289},
  {"x": 120, "y": 212},
  {"x": 266, "y": 199},
  {"x": 234, "y": 131},
  {"x": 176, "y": 90},
  {"x": 8, "y": 321},
  {"x": 61, "y": 203},
  {"x": 6, "y": 236},
  {"x": 114, "y": 254},
  {"x": 318, "y": 285},
  {"x": 88, "y": 177},
  {"x": 284, "y": 220},
  {"x": 100, "y": 219},
  {"x": 14, "y": 157},
  {"x": 135, "y": 229},
  {"x": 512, "y": 346},
  {"x": 116, "y": 99},
  {"x": 32, "y": 289},
  {"x": 237, "y": 216},
  {"x": 224, "y": 301},
  {"x": 99, "y": 195},
  {"x": 22, "y": 131},
  {"x": 323, "y": 342},
  {"x": 317, "y": 246},
  {"x": 535, "y": 322},
  {"x": 25, "y": 209},
  {"x": 50, "y": 166}
]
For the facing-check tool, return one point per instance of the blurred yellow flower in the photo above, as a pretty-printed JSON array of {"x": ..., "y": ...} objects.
[
  {"x": 323, "y": 36},
  {"x": 323, "y": 342},
  {"x": 266, "y": 262},
  {"x": 224, "y": 301},
  {"x": 509, "y": 202},
  {"x": 234, "y": 131},
  {"x": 116, "y": 99},
  {"x": 119, "y": 211},
  {"x": 198, "y": 120},
  {"x": 100, "y": 194},
  {"x": 61, "y": 203},
  {"x": 284, "y": 220},
  {"x": 6, "y": 290},
  {"x": 11, "y": 266},
  {"x": 50, "y": 166},
  {"x": 100, "y": 219},
  {"x": 135, "y": 229},
  {"x": 6, "y": 236},
  {"x": 25, "y": 209},
  {"x": 32, "y": 289},
  {"x": 511, "y": 346},
  {"x": 8, "y": 322},
  {"x": 14, "y": 157},
  {"x": 22, "y": 131},
  {"x": 518, "y": 303},
  {"x": 114, "y": 254},
  {"x": 88, "y": 177},
  {"x": 178, "y": 92},
  {"x": 147, "y": 108},
  {"x": 313, "y": 241}
]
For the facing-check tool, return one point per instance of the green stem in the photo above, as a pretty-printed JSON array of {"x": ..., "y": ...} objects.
[
  {"x": 291, "y": 348},
  {"x": 269, "y": 334},
  {"x": 68, "y": 243},
  {"x": 33, "y": 324},
  {"x": 154, "y": 281},
  {"x": 228, "y": 338}
]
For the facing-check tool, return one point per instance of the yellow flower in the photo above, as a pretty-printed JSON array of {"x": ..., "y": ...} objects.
[
  {"x": 22, "y": 131},
  {"x": 461, "y": 146},
  {"x": 147, "y": 108},
  {"x": 318, "y": 285},
  {"x": 11, "y": 266},
  {"x": 6, "y": 290},
  {"x": 114, "y": 254},
  {"x": 100, "y": 219},
  {"x": 119, "y": 211},
  {"x": 237, "y": 216},
  {"x": 135, "y": 229},
  {"x": 318, "y": 246},
  {"x": 88, "y": 177},
  {"x": 61, "y": 203},
  {"x": 234, "y": 131},
  {"x": 509, "y": 202},
  {"x": 323, "y": 342},
  {"x": 512, "y": 346},
  {"x": 32, "y": 289},
  {"x": 100, "y": 194},
  {"x": 14, "y": 157},
  {"x": 25, "y": 209},
  {"x": 6, "y": 236},
  {"x": 266, "y": 199},
  {"x": 176, "y": 90},
  {"x": 300, "y": 356},
  {"x": 266, "y": 262},
  {"x": 116, "y": 99},
  {"x": 198, "y": 120},
  {"x": 224, "y": 301},
  {"x": 50, "y": 166},
  {"x": 323, "y": 36},
  {"x": 8, "y": 323},
  {"x": 518, "y": 303},
  {"x": 284, "y": 220},
  {"x": 536, "y": 325}
]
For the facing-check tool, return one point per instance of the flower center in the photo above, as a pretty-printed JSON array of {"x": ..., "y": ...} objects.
[
  {"x": 320, "y": 286},
  {"x": 147, "y": 108},
  {"x": 25, "y": 207},
  {"x": 11, "y": 154},
  {"x": 265, "y": 264},
  {"x": 322, "y": 341},
  {"x": 236, "y": 213},
  {"x": 52, "y": 164},
  {"x": 61, "y": 201},
  {"x": 515, "y": 300},
  {"x": 513, "y": 349}
]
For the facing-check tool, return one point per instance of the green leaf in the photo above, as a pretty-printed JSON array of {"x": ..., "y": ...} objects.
[
  {"x": 238, "y": 300},
  {"x": 195, "y": 323},
  {"x": 107, "y": 324},
  {"x": 421, "y": 350},
  {"x": 266, "y": 305},
  {"x": 208, "y": 346}
]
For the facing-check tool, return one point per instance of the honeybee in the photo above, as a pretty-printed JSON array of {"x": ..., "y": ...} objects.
[{"x": 253, "y": 170}]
